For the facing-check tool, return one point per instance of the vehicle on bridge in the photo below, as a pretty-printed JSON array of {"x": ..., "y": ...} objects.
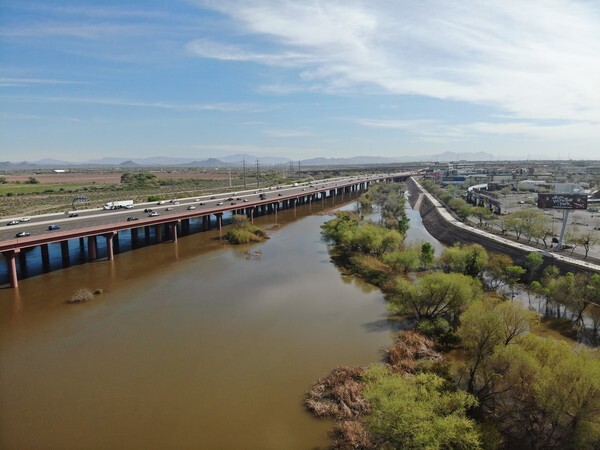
[
  {"x": 23, "y": 234},
  {"x": 53, "y": 227},
  {"x": 128, "y": 204},
  {"x": 12, "y": 222},
  {"x": 129, "y": 219},
  {"x": 153, "y": 214}
]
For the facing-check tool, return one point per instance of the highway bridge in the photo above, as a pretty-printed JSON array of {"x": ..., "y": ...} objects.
[{"x": 165, "y": 217}]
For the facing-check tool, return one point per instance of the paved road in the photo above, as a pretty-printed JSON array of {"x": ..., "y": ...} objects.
[{"x": 38, "y": 225}]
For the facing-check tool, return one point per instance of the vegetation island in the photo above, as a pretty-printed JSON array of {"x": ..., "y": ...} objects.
[{"x": 477, "y": 370}]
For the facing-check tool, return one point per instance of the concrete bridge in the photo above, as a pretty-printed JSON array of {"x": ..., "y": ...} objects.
[{"x": 91, "y": 224}]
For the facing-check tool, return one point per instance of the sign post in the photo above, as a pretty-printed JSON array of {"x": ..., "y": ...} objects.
[{"x": 566, "y": 202}]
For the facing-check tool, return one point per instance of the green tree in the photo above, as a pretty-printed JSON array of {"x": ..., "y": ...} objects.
[
  {"x": 496, "y": 269},
  {"x": 435, "y": 294},
  {"x": 485, "y": 325},
  {"x": 32, "y": 180},
  {"x": 545, "y": 395},
  {"x": 405, "y": 260},
  {"x": 512, "y": 275},
  {"x": 427, "y": 254},
  {"x": 482, "y": 214},
  {"x": 418, "y": 412},
  {"x": 468, "y": 259},
  {"x": 533, "y": 262}
]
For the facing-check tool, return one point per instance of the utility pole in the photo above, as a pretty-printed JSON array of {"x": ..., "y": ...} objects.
[
  {"x": 298, "y": 168},
  {"x": 257, "y": 175},
  {"x": 244, "y": 162},
  {"x": 230, "y": 177}
]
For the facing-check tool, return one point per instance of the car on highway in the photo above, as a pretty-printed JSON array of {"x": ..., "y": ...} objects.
[
  {"x": 130, "y": 219},
  {"x": 245, "y": 200},
  {"x": 53, "y": 227},
  {"x": 12, "y": 222},
  {"x": 147, "y": 210},
  {"x": 233, "y": 203},
  {"x": 219, "y": 203},
  {"x": 23, "y": 234},
  {"x": 74, "y": 215},
  {"x": 213, "y": 197},
  {"x": 153, "y": 214},
  {"x": 191, "y": 207},
  {"x": 228, "y": 199},
  {"x": 24, "y": 219},
  {"x": 170, "y": 208},
  {"x": 162, "y": 202}
]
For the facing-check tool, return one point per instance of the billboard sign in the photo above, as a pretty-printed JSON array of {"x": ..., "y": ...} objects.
[{"x": 562, "y": 201}]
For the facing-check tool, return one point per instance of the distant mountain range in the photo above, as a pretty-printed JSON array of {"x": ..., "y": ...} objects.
[{"x": 238, "y": 161}]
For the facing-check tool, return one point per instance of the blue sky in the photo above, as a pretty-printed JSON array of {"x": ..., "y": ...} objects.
[{"x": 299, "y": 79}]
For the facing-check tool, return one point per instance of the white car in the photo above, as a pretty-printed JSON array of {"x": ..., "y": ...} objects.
[
  {"x": 191, "y": 207},
  {"x": 154, "y": 214},
  {"x": 24, "y": 219}
]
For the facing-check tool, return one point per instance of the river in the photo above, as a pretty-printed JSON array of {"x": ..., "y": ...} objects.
[{"x": 192, "y": 345}]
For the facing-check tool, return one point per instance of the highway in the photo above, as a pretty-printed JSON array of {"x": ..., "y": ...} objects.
[{"x": 37, "y": 226}]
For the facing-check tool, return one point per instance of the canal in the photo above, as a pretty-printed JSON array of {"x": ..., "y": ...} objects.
[{"x": 192, "y": 345}]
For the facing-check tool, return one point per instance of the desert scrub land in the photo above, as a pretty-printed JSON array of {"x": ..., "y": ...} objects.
[{"x": 41, "y": 192}]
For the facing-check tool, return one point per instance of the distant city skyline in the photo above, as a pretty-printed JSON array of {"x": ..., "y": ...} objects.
[{"x": 299, "y": 80}]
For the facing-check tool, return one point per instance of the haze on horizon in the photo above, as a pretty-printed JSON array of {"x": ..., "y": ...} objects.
[{"x": 298, "y": 79}]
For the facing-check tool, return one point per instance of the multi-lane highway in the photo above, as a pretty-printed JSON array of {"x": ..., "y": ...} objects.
[{"x": 37, "y": 226}]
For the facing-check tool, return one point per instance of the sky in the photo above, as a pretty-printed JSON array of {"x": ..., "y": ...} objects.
[{"x": 86, "y": 79}]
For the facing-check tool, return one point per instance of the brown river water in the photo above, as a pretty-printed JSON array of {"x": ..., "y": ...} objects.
[{"x": 192, "y": 345}]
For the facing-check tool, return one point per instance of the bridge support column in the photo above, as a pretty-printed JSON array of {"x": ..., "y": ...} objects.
[
  {"x": 12, "y": 267},
  {"x": 185, "y": 226},
  {"x": 81, "y": 244},
  {"x": 64, "y": 251},
  {"x": 219, "y": 217},
  {"x": 147, "y": 233},
  {"x": 116, "y": 242},
  {"x": 45, "y": 257},
  {"x": 174, "y": 232},
  {"x": 109, "y": 245},
  {"x": 134, "y": 237},
  {"x": 158, "y": 235},
  {"x": 205, "y": 223},
  {"x": 92, "y": 249}
]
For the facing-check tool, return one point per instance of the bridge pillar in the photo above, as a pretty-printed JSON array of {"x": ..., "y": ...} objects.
[
  {"x": 64, "y": 251},
  {"x": 12, "y": 267},
  {"x": 81, "y": 243},
  {"x": 147, "y": 233},
  {"x": 92, "y": 249},
  {"x": 158, "y": 236},
  {"x": 185, "y": 226},
  {"x": 219, "y": 217},
  {"x": 205, "y": 223},
  {"x": 109, "y": 245},
  {"x": 251, "y": 215},
  {"x": 45, "y": 256},
  {"x": 174, "y": 231},
  {"x": 116, "y": 242},
  {"x": 134, "y": 237}
]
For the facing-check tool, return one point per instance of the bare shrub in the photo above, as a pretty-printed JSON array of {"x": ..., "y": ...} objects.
[
  {"x": 84, "y": 295},
  {"x": 351, "y": 434},
  {"x": 410, "y": 350},
  {"x": 339, "y": 394}
]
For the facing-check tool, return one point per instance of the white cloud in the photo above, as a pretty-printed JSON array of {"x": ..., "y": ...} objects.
[
  {"x": 534, "y": 59},
  {"x": 288, "y": 133},
  {"x": 223, "y": 107},
  {"x": 5, "y": 82}
]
